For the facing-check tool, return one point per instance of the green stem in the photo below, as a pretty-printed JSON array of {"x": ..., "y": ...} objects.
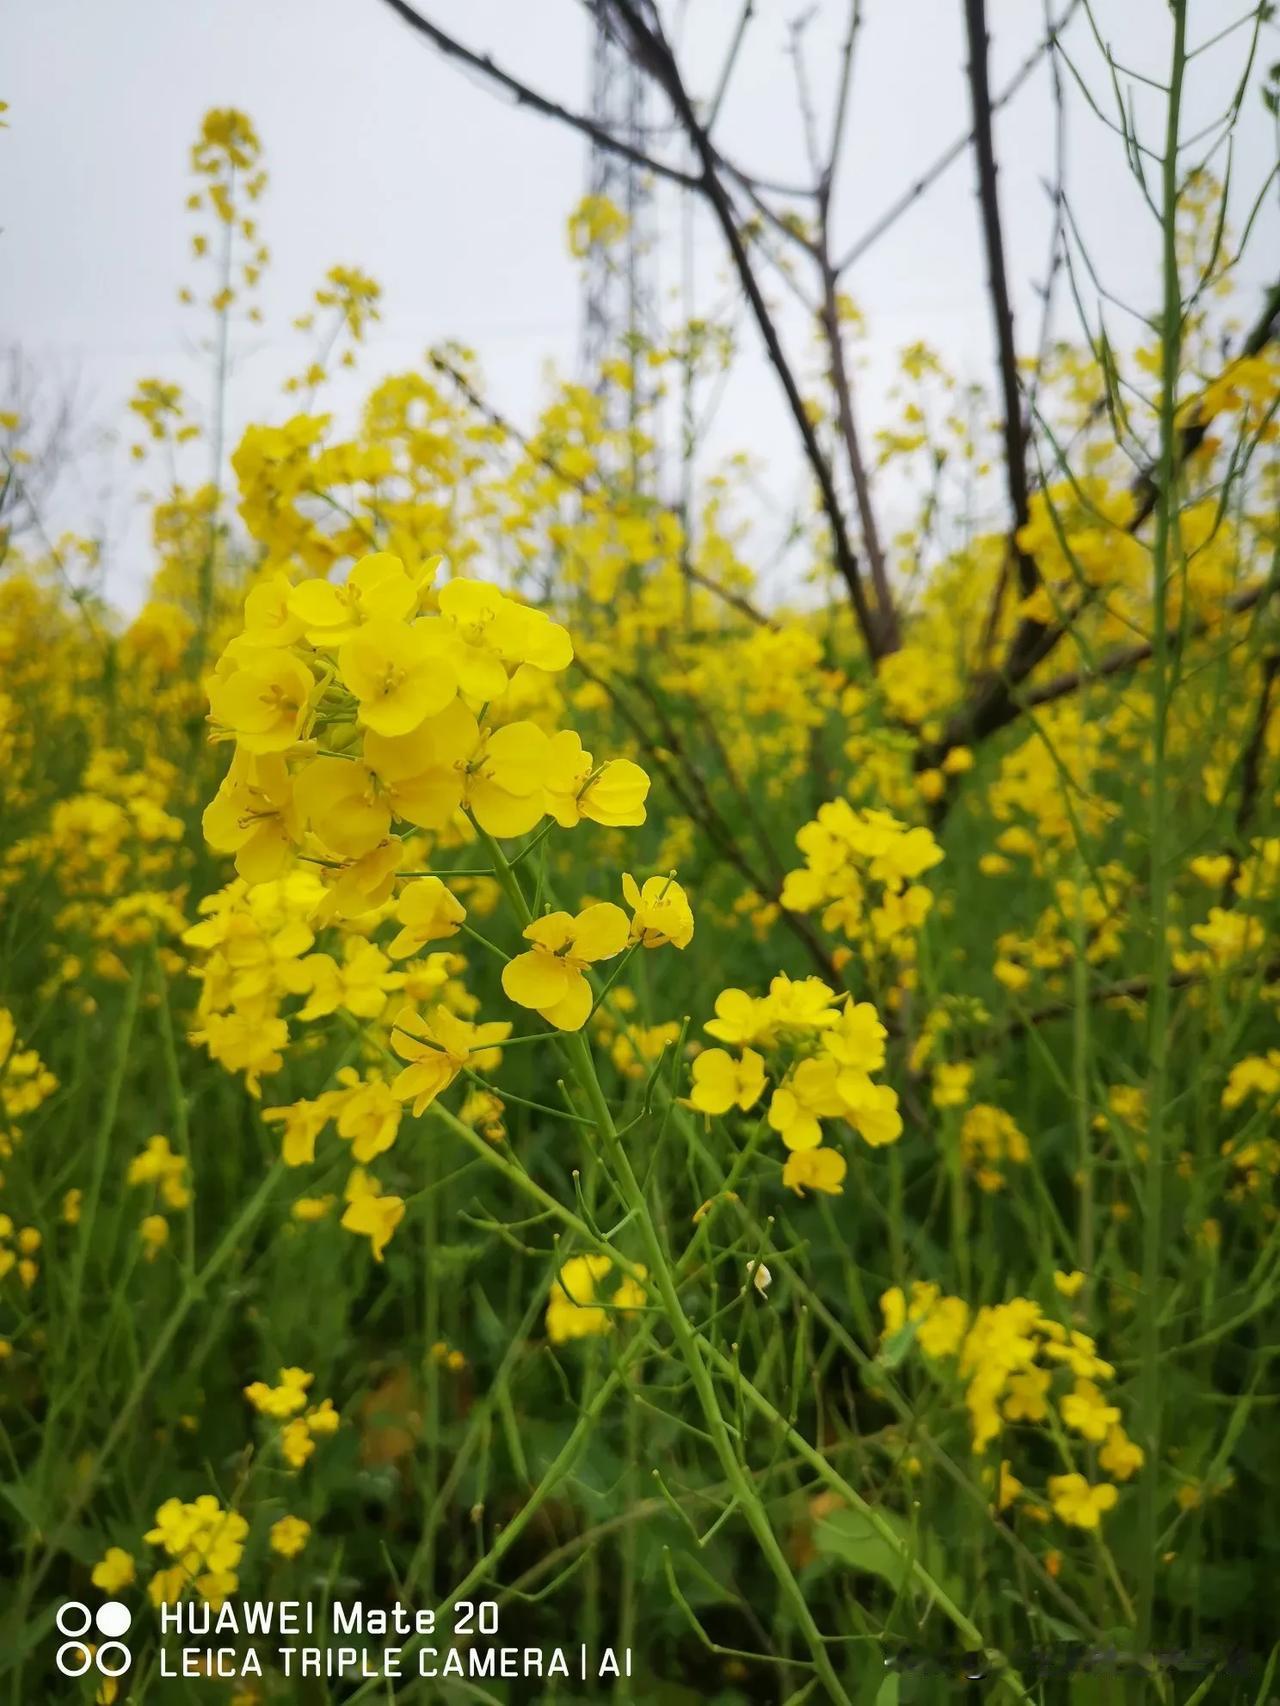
[{"x": 1149, "y": 1385}]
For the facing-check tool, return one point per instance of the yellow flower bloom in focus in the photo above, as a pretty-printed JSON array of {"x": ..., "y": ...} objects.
[
  {"x": 742, "y": 1018},
  {"x": 427, "y": 912},
  {"x": 437, "y": 1048},
  {"x": 376, "y": 590},
  {"x": 486, "y": 632},
  {"x": 398, "y": 674},
  {"x": 613, "y": 795},
  {"x": 720, "y": 1082},
  {"x": 661, "y": 912},
  {"x": 263, "y": 699},
  {"x": 811, "y": 1094},
  {"x": 550, "y": 976},
  {"x": 341, "y": 801},
  {"x": 253, "y": 816}
]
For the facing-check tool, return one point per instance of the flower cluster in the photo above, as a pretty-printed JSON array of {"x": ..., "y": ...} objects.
[
  {"x": 206, "y": 1544},
  {"x": 1012, "y": 1359},
  {"x": 860, "y": 870},
  {"x": 301, "y": 1422},
  {"x": 821, "y": 1049}
]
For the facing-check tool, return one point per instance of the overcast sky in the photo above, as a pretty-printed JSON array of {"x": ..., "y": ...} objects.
[{"x": 384, "y": 155}]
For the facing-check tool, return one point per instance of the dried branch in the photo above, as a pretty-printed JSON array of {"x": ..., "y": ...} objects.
[
  {"x": 949, "y": 156},
  {"x": 528, "y": 97},
  {"x": 650, "y": 49},
  {"x": 1015, "y": 441},
  {"x": 1251, "y": 760},
  {"x": 685, "y": 780},
  {"x": 996, "y": 702},
  {"x": 581, "y": 483},
  {"x": 1126, "y": 658}
]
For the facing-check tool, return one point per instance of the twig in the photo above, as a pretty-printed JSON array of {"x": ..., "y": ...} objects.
[
  {"x": 528, "y": 97},
  {"x": 1015, "y": 445}
]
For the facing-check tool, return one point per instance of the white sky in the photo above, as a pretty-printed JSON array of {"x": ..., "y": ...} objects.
[{"x": 384, "y": 155}]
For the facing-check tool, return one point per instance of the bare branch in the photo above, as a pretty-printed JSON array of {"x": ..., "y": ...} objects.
[
  {"x": 949, "y": 156},
  {"x": 1015, "y": 444},
  {"x": 735, "y": 600},
  {"x": 527, "y": 97},
  {"x": 651, "y": 51}
]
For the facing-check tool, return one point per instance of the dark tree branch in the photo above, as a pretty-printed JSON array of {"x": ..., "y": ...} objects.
[
  {"x": 889, "y": 626},
  {"x": 651, "y": 51},
  {"x": 1251, "y": 759},
  {"x": 1126, "y": 658},
  {"x": 527, "y": 97},
  {"x": 949, "y": 156},
  {"x": 685, "y": 779},
  {"x": 1015, "y": 443},
  {"x": 996, "y": 701},
  {"x": 581, "y": 483}
]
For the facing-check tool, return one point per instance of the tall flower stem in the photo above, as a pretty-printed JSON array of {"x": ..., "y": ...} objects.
[
  {"x": 1166, "y": 516},
  {"x": 700, "y": 1358}
]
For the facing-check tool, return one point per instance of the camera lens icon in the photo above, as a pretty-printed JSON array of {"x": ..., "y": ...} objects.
[{"x": 75, "y": 1657}]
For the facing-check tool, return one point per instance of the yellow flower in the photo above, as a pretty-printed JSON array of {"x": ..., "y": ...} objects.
[
  {"x": 398, "y": 675},
  {"x": 1068, "y": 1284},
  {"x": 1008, "y": 1486},
  {"x": 487, "y": 632},
  {"x": 289, "y": 1535},
  {"x": 1026, "y": 1399},
  {"x": 369, "y": 1213},
  {"x": 504, "y": 779},
  {"x": 303, "y": 1122},
  {"x": 572, "y": 1311},
  {"x": 720, "y": 1082},
  {"x": 613, "y": 795},
  {"x": 810, "y": 1094},
  {"x": 268, "y": 620},
  {"x": 1079, "y": 1504},
  {"x": 1120, "y": 1457},
  {"x": 377, "y": 589},
  {"x": 253, "y": 816},
  {"x": 1212, "y": 869},
  {"x": 284, "y": 1399},
  {"x": 1087, "y": 1411},
  {"x": 368, "y": 1116},
  {"x": 427, "y": 912},
  {"x": 113, "y": 1571},
  {"x": 550, "y": 976},
  {"x": 815, "y": 1170},
  {"x": 872, "y": 1109},
  {"x": 263, "y": 698},
  {"x": 661, "y": 912},
  {"x": 951, "y": 1084},
  {"x": 742, "y": 1018},
  {"x": 437, "y": 1048},
  {"x": 155, "y": 1235},
  {"x": 340, "y": 800}
]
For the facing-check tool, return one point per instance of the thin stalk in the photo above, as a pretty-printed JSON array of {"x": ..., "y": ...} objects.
[{"x": 1164, "y": 546}]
